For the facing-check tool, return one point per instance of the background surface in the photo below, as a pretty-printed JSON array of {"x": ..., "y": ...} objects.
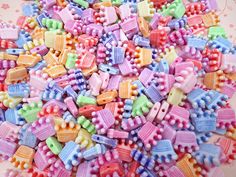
[{"x": 10, "y": 10}]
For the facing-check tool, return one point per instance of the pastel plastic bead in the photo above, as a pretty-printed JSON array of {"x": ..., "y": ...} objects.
[{"x": 117, "y": 88}]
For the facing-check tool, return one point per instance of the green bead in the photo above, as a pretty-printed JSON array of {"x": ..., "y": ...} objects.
[
  {"x": 71, "y": 59},
  {"x": 54, "y": 145},
  {"x": 216, "y": 31},
  {"x": 82, "y": 3},
  {"x": 116, "y": 2},
  {"x": 84, "y": 100},
  {"x": 29, "y": 111},
  {"x": 175, "y": 9},
  {"x": 52, "y": 24},
  {"x": 86, "y": 124},
  {"x": 141, "y": 105}
]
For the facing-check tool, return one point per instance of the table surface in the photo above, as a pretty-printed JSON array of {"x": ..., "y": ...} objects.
[{"x": 10, "y": 10}]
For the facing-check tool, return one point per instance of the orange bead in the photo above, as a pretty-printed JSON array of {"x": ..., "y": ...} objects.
[
  {"x": 189, "y": 166},
  {"x": 106, "y": 97},
  {"x": 127, "y": 90},
  {"x": 28, "y": 60},
  {"x": 143, "y": 26},
  {"x": 67, "y": 131},
  {"x": 55, "y": 71},
  {"x": 23, "y": 157},
  {"x": 16, "y": 74}
]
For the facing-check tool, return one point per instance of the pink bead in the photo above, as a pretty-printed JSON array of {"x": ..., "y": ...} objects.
[
  {"x": 71, "y": 106},
  {"x": 105, "y": 79},
  {"x": 165, "y": 82},
  {"x": 181, "y": 66},
  {"x": 43, "y": 128},
  {"x": 168, "y": 132},
  {"x": 146, "y": 76},
  {"x": 58, "y": 169},
  {"x": 229, "y": 89},
  {"x": 179, "y": 116},
  {"x": 172, "y": 172},
  {"x": 133, "y": 123},
  {"x": 228, "y": 63},
  {"x": 125, "y": 11},
  {"x": 8, "y": 32},
  {"x": 114, "y": 82},
  {"x": 153, "y": 112},
  {"x": 9, "y": 131},
  {"x": 186, "y": 80},
  {"x": 103, "y": 120},
  {"x": 43, "y": 158},
  {"x": 84, "y": 169},
  {"x": 67, "y": 14},
  {"x": 55, "y": 103},
  {"x": 127, "y": 67},
  {"x": 7, "y": 149},
  {"x": 150, "y": 134},
  {"x": 162, "y": 111},
  {"x": 42, "y": 50},
  {"x": 112, "y": 133},
  {"x": 111, "y": 28},
  {"x": 225, "y": 118},
  {"x": 38, "y": 79},
  {"x": 95, "y": 83},
  {"x": 186, "y": 141}
]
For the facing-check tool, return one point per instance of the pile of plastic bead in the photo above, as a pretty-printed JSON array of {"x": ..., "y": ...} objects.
[{"x": 114, "y": 88}]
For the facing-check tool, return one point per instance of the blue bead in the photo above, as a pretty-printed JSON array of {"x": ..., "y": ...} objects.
[
  {"x": 197, "y": 42},
  {"x": 40, "y": 65},
  {"x": 19, "y": 90},
  {"x": 203, "y": 121},
  {"x": 203, "y": 137},
  {"x": 217, "y": 100},
  {"x": 163, "y": 66},
  {"x": 220, "y": 131},
  {"x": 198, "y": 98},
  {"x": 178, "y": 23},
  {"x": 94, "y": 152},
  {"x": 115, "y": 55},
  {"x": 40, "y": 17},
  {"x": 109, "y": 69},
  {"x": 69, "y": 155},
  {"x": 108, "y": 39},
  {"x": 154, "y": 66},
  {"x": 12, "y": 116},
  {"x": 30, "y": 10},
  {"x": 208, "y": 154},
  {"x": 104, "y": 140},
  {"x": 163, "y": 152},
  {"x": 143, "y": 172},
  {"x": 26, "y": 137},
  {"x": 153, "y": 93},
  {"x": 23, "y": 38},
  {"x": 144, "y": 160},
  {"x": 2, "y": 116},
  {"x": 222, "y": 44},
  {"x": 127, "y": 108},
  {"x": 70, "y": 92},
  {"x": 67, "y": 116},
  {"x": 15, "y": 51},
  {"x": 141, "y": 41}
]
